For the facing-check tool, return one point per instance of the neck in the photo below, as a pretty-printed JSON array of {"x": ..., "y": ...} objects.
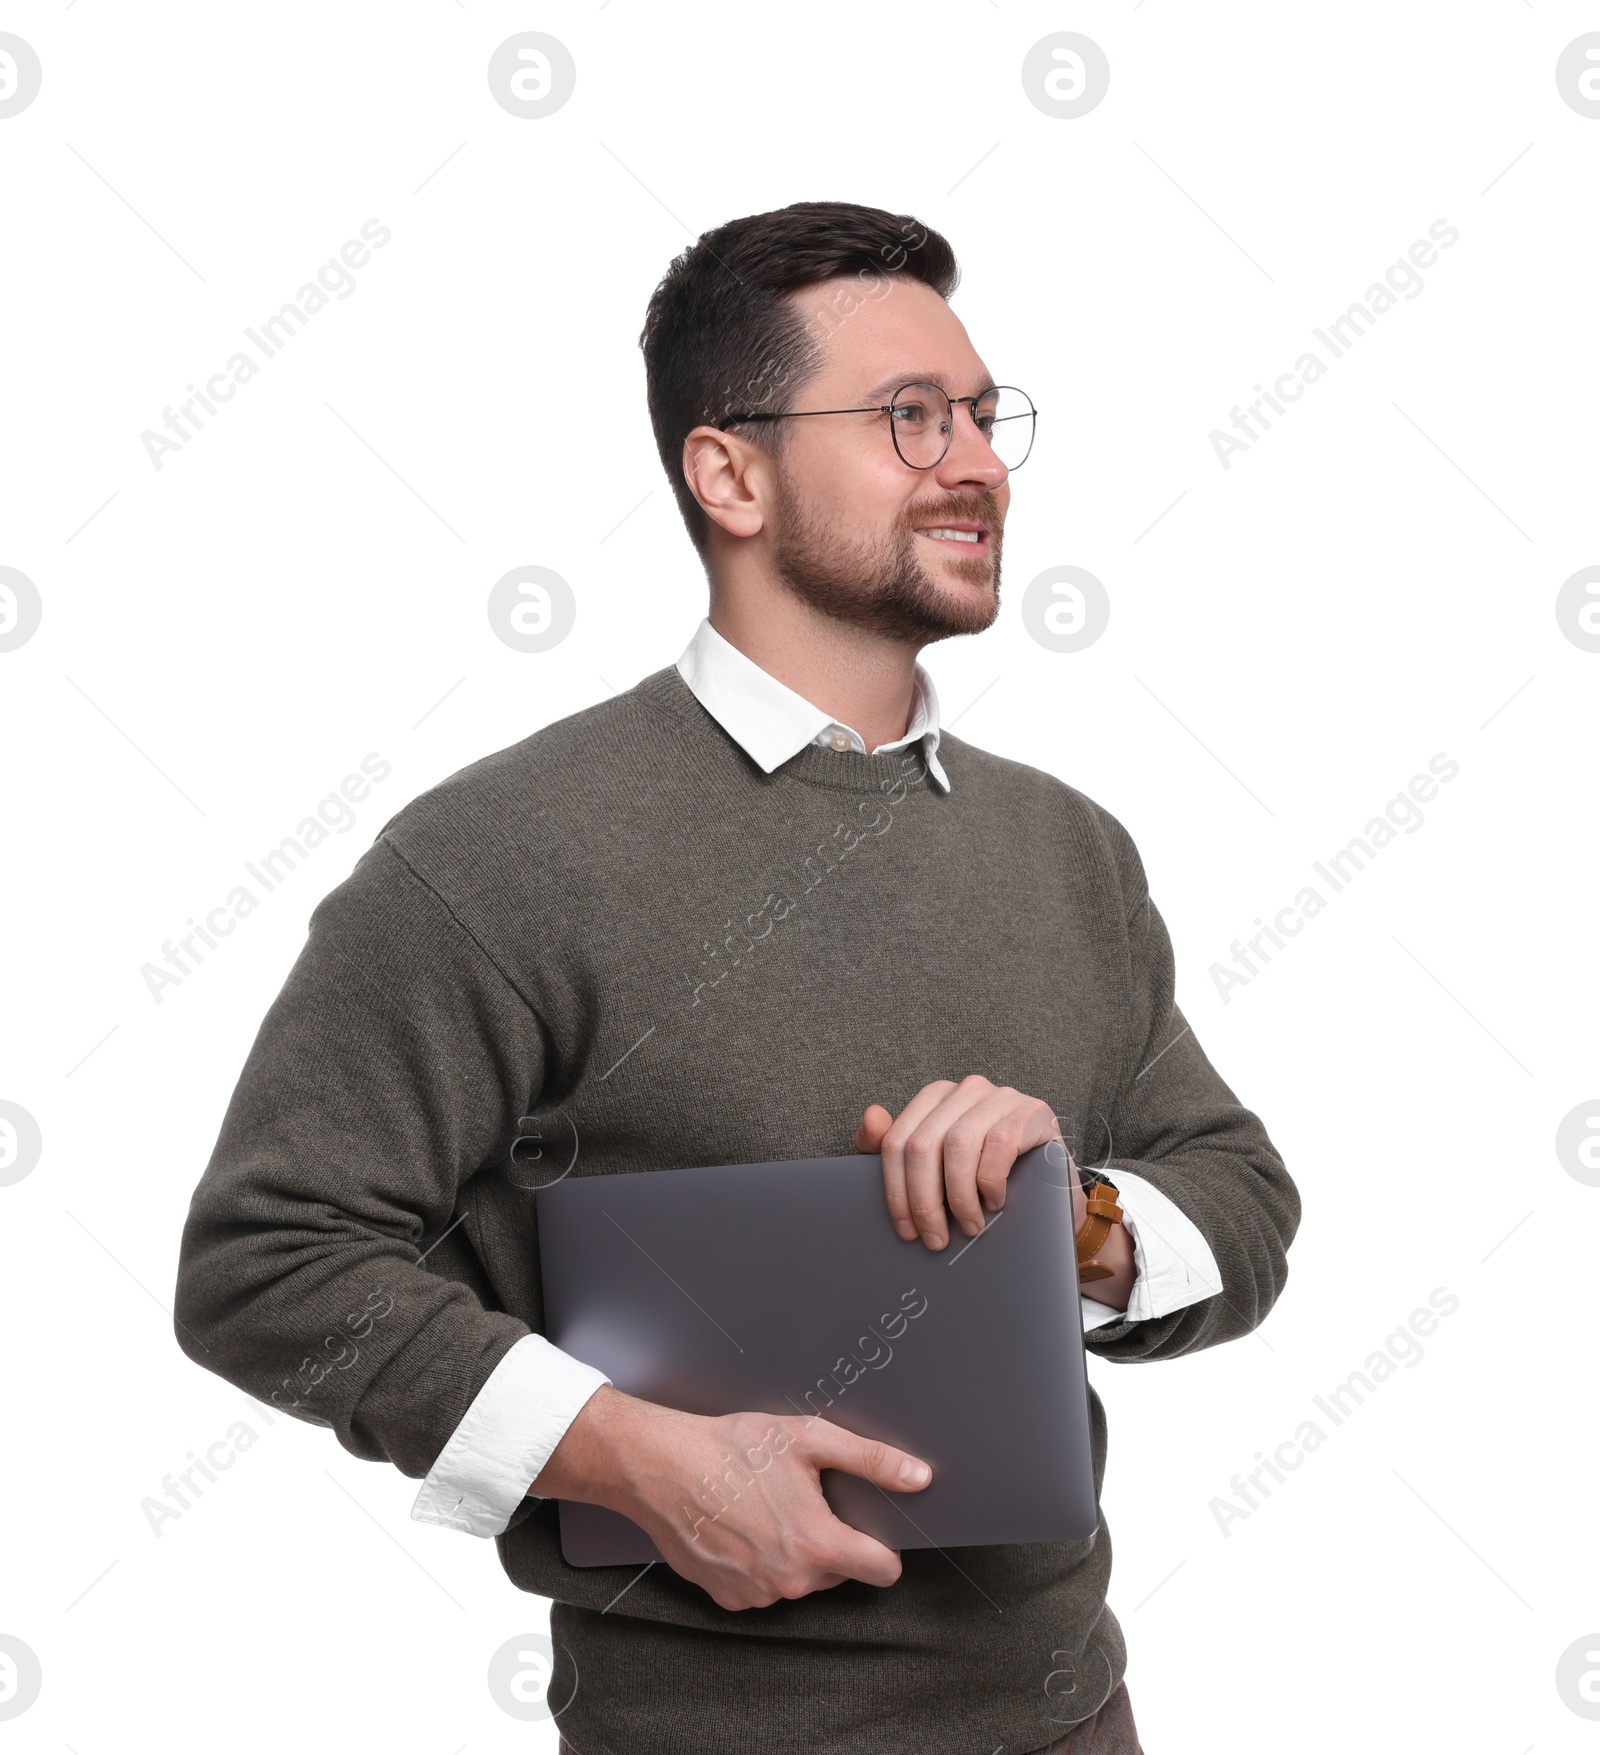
[{"x": 862, "y": 679}]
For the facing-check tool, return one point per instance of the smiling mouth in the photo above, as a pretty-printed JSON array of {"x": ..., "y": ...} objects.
[{"x": 954, "y": 536}]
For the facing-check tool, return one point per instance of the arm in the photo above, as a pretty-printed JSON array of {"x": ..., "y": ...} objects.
[
  {"x": 378, "y": 1085},
  {"x": 1197, "y": 1177},
  {"x": 505, "y": 1438},
  {"x": 1177, "y": 1127},
  {"x": 1163, "y": 1263}
]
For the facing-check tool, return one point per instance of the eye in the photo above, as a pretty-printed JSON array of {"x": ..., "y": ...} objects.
[{"x": 909, "y": 414}]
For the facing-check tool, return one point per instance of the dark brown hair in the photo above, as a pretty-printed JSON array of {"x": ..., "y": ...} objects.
[{"x": 720, "y": 336}]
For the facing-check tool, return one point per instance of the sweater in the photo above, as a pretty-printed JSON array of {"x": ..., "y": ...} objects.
[
  {"x": 622, "y": 938},
  {"x": 508, "y": 1434}
]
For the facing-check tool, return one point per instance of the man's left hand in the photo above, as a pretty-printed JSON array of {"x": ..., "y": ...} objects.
[{"x": 956, "y": 1143}]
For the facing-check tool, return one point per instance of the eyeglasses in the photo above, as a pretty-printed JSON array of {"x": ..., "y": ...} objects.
[{"x": 922, "y": 422}]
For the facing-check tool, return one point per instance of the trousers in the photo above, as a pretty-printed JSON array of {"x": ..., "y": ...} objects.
[{"x": 1110, "y": 1731}]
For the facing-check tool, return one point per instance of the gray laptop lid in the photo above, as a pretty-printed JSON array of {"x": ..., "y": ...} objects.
[{"x": 783, "y": 1288}]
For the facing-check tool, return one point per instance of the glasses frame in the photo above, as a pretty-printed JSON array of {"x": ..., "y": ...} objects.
[{"x": 889, "y": 407}]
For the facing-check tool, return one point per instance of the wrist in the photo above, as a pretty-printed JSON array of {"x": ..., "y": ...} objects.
[
  {"x": 585, "y": 1464},
  {"x": 1099, "y": 1236}
]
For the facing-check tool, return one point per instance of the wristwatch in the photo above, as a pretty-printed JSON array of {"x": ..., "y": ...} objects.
[{"x": 1103, "y": 1213}]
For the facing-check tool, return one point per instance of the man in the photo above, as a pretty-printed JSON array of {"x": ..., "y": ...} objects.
[{"x": 757, "y": 907}]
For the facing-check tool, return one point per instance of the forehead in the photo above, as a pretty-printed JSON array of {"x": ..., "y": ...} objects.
[{"x": 874, "y": 337}]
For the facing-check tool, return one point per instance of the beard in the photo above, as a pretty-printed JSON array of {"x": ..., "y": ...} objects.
[{"x": 883, "y": 585}]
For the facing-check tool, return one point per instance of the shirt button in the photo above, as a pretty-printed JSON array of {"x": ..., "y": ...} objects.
[{"x": 840, "y": 740}]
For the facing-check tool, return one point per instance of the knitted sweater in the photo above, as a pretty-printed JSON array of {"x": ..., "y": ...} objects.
[{"x": 623, "y": 940}]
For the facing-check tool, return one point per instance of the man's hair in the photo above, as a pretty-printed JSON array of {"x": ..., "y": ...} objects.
[{"x": 720, "y": 336}]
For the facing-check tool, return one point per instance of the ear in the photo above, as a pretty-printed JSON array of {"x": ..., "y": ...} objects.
[{"x": 730, "y": 478}]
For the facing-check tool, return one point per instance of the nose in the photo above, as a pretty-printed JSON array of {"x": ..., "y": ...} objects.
[{"x": 971, "y": 460}]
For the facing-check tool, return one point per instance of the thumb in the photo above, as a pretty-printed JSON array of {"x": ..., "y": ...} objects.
[
  {"x": 827, "y": 1446},
  {"x": 874, "y": 1125}
]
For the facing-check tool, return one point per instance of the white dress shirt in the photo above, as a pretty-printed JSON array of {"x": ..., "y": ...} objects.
[
  {"x": 536, "y": 1391},
  {"x": 771, "y": 723}
]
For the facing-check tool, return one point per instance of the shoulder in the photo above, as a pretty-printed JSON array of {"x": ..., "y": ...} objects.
[
  {"x": 1030, "y": 795},
  {"x": 546, "y": 784}
]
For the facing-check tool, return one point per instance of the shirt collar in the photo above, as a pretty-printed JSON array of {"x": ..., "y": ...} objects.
[{"x": 771, "y": 723}]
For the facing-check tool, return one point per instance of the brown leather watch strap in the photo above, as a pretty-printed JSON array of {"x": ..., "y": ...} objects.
[{"x": 1103, "y": 1212}]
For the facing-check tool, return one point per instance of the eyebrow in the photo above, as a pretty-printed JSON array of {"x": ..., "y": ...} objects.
[{"x": 896, "y": 379}]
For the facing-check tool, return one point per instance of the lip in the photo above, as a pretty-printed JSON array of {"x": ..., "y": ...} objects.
[{"x": 979, "y": 547}]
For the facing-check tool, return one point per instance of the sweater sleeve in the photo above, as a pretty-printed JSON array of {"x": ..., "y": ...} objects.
[
  {"x": 381, "y": 1080},
  {"x": 1176, "y": 1124}
]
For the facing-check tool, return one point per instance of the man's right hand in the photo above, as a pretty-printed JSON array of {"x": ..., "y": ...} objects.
[{"x": 734, "y": 1503}]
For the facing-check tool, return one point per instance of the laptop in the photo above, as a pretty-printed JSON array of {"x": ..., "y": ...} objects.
[{"x": 783, "y": 1288}]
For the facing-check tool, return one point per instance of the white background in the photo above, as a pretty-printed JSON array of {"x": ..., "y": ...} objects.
[{"x": 1373, "y": 582}]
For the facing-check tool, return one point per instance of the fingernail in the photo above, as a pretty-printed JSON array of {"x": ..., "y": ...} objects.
[
  {"x": 914, "y": 1474},
  {"x": 971, "y": 1226},
  {"x": 906, "y": 1229}
]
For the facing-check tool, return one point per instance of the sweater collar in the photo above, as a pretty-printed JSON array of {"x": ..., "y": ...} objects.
[{"x": 772, "y": 723}]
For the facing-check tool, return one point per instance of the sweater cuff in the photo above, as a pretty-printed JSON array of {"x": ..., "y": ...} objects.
[
  {"x": 1173, "y": 1263},
  {"x": 505, "y": 1438}
]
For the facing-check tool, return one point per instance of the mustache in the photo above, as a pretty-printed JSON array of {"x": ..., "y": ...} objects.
[{"x": 984, "y": 509}]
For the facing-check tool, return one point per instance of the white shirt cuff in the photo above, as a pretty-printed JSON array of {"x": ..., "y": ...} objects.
[
  {"x": 1173, "y": 1263},
  {"x": 505, "y": 1438}
]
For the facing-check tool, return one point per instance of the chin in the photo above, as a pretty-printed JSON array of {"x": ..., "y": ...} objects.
[
  {"x": 952, "y": 614},
  {"x": 968, "y": 577}
]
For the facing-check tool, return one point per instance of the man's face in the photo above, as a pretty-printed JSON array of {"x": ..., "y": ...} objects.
[{"x": 856, "y": 532}]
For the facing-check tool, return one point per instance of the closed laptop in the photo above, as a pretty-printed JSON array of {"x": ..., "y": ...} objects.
[{"x": 783, "y": 1288}]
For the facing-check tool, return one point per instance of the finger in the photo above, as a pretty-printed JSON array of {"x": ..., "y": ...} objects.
[
  {"x": 825, "y": 1445},
  {"x": 968, "y": 1147},
  {"x": 859, "y": 1556},
  {"x": 892, "y": 1146},
  {"x": 875, "y": 1123},
  {"x": 1027, "y": 1123},
  {"x": 925, "y": 1162}
]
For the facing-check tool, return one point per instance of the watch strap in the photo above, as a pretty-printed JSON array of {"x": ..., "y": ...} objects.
[{"x": 1103, "y": 1212}]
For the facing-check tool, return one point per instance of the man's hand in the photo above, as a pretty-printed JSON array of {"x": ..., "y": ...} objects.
[
  {"x": 956, "y": 1143},
  {"x": 733, "y": 1503}
]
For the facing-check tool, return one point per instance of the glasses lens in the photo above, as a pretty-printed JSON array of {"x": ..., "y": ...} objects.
[
  {"x": 1006, "y": 418},
  {"x": 920, "y": 422}
]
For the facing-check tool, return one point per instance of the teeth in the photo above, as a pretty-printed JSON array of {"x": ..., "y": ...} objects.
[{"x": 956, "y": 535}]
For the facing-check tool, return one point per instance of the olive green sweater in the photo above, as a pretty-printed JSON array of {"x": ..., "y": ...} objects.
[{"x": 622, "y": 927}]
